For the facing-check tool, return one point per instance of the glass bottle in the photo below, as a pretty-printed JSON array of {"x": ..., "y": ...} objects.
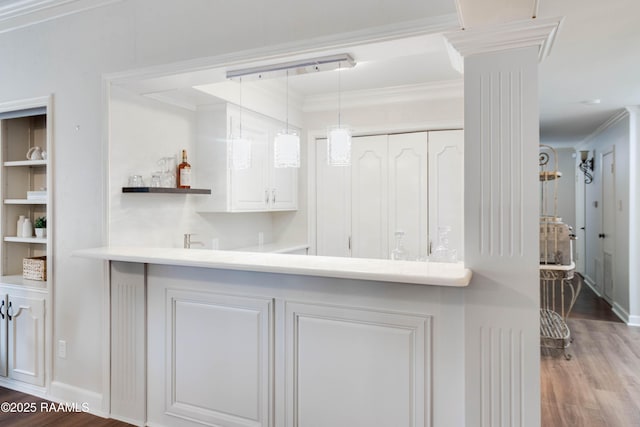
[
  {"x": 184, "y": 172},
  {"x": 442, "y": 252},
  {"x": 399, "y": 253}
]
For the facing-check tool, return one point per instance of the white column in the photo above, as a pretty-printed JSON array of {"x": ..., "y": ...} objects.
[
  {"x": 502, "y": 354},
  {"x": 634, "y": 214}
]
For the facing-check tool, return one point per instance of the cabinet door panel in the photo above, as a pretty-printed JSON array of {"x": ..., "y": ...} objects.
[
  {"x": 26, "y": 339},
  {"x": 369, "y": 175},
  {"x": 446, "y": 186},
  {"x": 249, "y": 187},
  {"x": 218, "y": 350},
  {"x": 408, "y": 192},
  {"x": 372, "y": 368},
  {"x": 333, "y": 205},
  {"x": 3, "y": 334}
]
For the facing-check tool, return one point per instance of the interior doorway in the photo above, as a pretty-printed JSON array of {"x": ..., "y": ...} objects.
[{"x": 607, "y": 236}]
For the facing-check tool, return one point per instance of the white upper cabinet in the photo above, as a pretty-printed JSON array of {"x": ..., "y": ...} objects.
[{"x": 259, "y": 188}]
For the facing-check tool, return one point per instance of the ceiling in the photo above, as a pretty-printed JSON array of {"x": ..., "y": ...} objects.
[
  {"x": 596, "y": 56},
  {"x": 591, "y": 74}
]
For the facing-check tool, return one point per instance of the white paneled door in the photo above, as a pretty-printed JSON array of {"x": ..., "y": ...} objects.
[
  {"x": 408, "y": 182},
  {"x": 446, "y": 178},
  {"x": 608, "y": 223},
  {"x": 408, "y": 194},
  {"x": 369, "y": 197}
]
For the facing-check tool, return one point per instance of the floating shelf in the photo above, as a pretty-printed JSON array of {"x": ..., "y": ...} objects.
[
  {"x": 24, "y": 202},
  {"x": 42, "y": 240},
  {"x": 165, "y": 190},
  {"x": 26, "y": 163}
]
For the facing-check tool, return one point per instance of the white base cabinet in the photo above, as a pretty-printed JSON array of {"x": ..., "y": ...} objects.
[
  {"x": 225, "y": 352},
  {"x": 22, "y": 334}
]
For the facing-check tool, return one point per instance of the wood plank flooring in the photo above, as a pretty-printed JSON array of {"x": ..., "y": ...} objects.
[
  {"x": 600, "y": 385},
  {"x": 46, "y": 418}
]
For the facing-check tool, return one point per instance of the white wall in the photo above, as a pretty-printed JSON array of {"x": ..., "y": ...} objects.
[
  {"x": 143, "y": 130},
  {"x": 68, "y": 57},
  {"x": 613, "y": 136}
]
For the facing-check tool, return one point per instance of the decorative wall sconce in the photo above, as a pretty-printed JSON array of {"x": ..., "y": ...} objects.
[{"x": 587, "y": 166}]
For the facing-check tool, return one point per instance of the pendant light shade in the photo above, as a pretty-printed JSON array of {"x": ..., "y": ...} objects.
[
  {"x": 339, "y": 146},
  {"x": 339, "y": 138},
  {"x": 286, "y": 149}
]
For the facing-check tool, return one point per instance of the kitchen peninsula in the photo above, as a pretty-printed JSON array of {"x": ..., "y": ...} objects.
[{"x": 248, "y": 339}]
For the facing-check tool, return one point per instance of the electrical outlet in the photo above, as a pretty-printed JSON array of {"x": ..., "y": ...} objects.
[{"x": 62, "y": 349}]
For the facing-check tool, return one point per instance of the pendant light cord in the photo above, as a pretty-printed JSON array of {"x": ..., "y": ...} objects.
[
  {"x": 339, "y": 84},
  {"x": 240, "y": 107},
  {"x": 287, "y": 102}
]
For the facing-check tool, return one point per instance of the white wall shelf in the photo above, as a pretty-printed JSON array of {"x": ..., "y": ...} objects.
[
  {"x": 42, "y": 240},
  {"x": 24, "y": 202},
  {"x": 26, "y": 163},
  {"x": 18, "y": 280}
]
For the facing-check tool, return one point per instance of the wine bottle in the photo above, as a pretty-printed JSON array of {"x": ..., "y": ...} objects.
[{"x": 184, "y": 172}]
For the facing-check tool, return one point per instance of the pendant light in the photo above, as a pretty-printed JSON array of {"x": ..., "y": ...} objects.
[
  {"x": 238, "y": 147},
  {"x": 286, "y": 145},
  {"x": 339, "y": 137}
]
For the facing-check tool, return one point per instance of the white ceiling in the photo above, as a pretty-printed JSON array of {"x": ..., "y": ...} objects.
[{"x": 596, "y": 56}]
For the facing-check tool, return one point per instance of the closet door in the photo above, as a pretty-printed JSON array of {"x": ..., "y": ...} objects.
[
  {"x": 446, "y": 186},
  {"x": 369, "y": 204},
  {"x": 408, "y": 192},
  {"x": 333, "y": 205}
]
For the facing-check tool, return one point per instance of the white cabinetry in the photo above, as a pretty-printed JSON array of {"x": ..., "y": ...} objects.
[
  {"x": 446, "y": 183},
  {"x": 218, "y": 363},
  {"x": 369, "y": 367},
  {"x": 24, "y": 322},
  {"x": 249, "y": 360},
  {"x": 22, "y": 349},
  {"x": 261, "y": 187},
  {"x": 385, "y": 190}
]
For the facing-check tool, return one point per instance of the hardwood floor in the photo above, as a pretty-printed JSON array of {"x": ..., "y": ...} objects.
[
  {"x": 600, "y": 385},
  {"x": 45, "y": 414}
]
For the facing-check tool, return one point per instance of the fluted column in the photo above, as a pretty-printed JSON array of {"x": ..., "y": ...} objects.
[{"x": 502, "y": 341}]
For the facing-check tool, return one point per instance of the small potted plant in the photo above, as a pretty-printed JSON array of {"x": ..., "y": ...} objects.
[{"x": 41, "y": 226}]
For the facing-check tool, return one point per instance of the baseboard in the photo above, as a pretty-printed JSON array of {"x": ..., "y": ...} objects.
[
  {"x": 634, "y": 321},
  {"x": 24, "y": 388},
  {"x": 65, "y": 393},
  {"x": 592, "y": 284},
  {"x": 620, "y": 312}
]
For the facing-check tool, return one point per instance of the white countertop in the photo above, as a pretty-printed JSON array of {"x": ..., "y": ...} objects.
[{"x": 420, "y": 273}]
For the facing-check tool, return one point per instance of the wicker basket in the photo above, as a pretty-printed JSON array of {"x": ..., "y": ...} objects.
[{"x": 34, "y": 268}]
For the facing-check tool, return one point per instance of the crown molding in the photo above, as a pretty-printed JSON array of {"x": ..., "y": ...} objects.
[
  {"x": 293, "y": 50},
  {"x": 540, "y": 33},
  {"x": 386, "y": 95},
  {"x": 23, "y": 13},
  {"x": 622, "y": 114}
]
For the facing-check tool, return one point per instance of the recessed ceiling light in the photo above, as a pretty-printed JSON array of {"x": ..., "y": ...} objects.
[{"x": 591, "y": 102}]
